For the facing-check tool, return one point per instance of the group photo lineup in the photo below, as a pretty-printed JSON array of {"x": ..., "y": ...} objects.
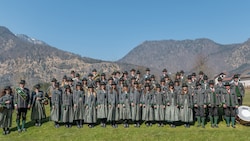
[{"x": 125, "y": 99}]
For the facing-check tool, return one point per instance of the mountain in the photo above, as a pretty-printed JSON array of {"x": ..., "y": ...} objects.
[
  {"x": 190, "y": 55},
  {"x": 22, "y": 57}
]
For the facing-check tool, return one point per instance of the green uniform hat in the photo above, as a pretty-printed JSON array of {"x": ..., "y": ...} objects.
[
  {"x": 7, "y": 88},
  {"x": 227, "y": 84},
  {"x": 22, "y": 82},
  {"x": 138, "y": 72},
  {"x": 37, "y": 86},
  {"x": 84, "y": 79},
  {"x": 211, "y": 82},
  {"x": 53, "y": 80}
]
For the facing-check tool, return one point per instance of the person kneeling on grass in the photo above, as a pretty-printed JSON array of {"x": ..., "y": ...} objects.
[{"x": 6, "y": 103}]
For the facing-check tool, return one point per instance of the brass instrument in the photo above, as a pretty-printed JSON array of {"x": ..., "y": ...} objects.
[
  {"x": 21, "y": 93},
  {"x": 96, "y": 76},
  {"x": 45, "y": 101}
]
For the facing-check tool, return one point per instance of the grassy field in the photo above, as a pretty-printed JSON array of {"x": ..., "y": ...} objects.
[{"x": 49, "y": 133}]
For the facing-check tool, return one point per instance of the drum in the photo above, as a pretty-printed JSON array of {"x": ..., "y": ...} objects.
[{"x": 243, "y": 116}]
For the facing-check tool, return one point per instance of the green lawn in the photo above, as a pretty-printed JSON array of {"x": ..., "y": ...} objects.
[{"x": 48, "y": 132}]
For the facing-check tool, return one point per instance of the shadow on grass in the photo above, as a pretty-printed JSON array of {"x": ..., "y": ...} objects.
[{"x": 29, "y": 124}]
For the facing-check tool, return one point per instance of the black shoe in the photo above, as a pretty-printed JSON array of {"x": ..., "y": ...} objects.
[
  {"x": 138, "y": 125},
  {"x": 8, "y": 131},
  {"x": 19, "y": 130},
  {"x": 24, "y": 130},
  {"x": 172, "y": 126}
]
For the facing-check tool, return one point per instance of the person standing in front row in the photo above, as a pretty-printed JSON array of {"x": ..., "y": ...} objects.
[
  {"x": 124, "y": 106},
  {"x": 239, "y": 89},
  {"x": 56, "y": 102},
  {"x": 6, "y": 100},
  {"x": 172, "y": 111},
  {"x": 213, "y": 103},
  {"x": 37, "y": 105},
  {"x": 159, "y": 105},
  {"x": 135, "y": 95},
  {"x": 78, "y": 99},
  {"x": 102, "y": 101},
  {"x": 200, "y": 101},
  {"x": 22, "y": 104},
  {"x": 230, "y": 104},
  {"x": 90, "y": 105},
  {"x": 67, "y": 108},
  {"x": 185, "y": 103},
  {"x": 112, "y": 105}
]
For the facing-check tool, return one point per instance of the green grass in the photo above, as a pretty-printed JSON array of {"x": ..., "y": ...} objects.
[{"x": 48, "y": 132}]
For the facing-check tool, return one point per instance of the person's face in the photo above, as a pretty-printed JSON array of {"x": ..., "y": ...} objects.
[
  {"x": 236, "y": 79},
  {"x": 227, "y": 87},
  {"x": 102, "y": 86},
  {"x": 21, "y": 85},
  {"x": 78, "y": 87},
  {"x": 7, "y": 91}
]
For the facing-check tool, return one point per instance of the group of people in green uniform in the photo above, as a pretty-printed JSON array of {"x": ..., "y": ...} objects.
[{"x": 127, "y": 98}]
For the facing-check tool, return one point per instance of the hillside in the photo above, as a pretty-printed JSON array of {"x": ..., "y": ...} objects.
[
  {"x": 190, "y": 55},
  {"x": 35, "y": 61}
]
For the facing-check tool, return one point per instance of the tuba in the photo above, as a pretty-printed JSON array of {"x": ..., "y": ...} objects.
[{"x": 21, "y": 93}]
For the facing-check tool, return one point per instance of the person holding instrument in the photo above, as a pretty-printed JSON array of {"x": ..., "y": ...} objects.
[
  {"x": 22, "y": 104},
  {"x": 6, "y": 100}
]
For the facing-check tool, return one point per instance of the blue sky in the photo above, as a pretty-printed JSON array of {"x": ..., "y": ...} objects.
[{"x": 109, "y": 29}]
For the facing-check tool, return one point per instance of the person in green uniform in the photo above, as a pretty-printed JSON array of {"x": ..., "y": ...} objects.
[
  {"x": 37, "y": 105},
  {"x": 135, "y": 95},
  {"x": 186, "y": 104},
  {"x": 124, "y": 106},
  {"x": 146, "y": 102},
  {"x": 90, "y": 107},
  {"x": 239, "y": 89},
  {"x": 102, "y": 101},
  {"x": 56, "y": 101},
  {"x": 7, "y": 103},
  {"x": 78, "y": 100},
  {"x": 230, "y": 104},
  {"x": 200, "y": 101},
  {"x": 159, "y": 105},
  {"x": 22, "y": 104},
  {"x": 172, "y": 111},
  {"x": 67, "y": 108},
  {"x": 213, "y": 102}
]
